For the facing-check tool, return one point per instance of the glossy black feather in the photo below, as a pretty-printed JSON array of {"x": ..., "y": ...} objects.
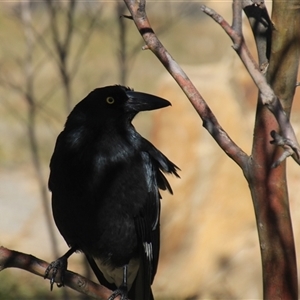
[{"x": 104, "y": 181}]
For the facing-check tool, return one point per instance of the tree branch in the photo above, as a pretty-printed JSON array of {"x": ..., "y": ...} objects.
[
  {"x": 261, "y": 25},
  {"x": 267, "y": 94},
  {"x": 137, "y": 10},
  {"x": 13, "y": 259}
]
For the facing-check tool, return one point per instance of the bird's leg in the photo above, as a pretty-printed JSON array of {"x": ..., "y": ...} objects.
[
  {"x": 58, "y": 266},
  {"x": 122, "y": 290}
]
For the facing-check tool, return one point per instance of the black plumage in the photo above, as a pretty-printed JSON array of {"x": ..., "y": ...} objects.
[{"x": 105, "y": 180}]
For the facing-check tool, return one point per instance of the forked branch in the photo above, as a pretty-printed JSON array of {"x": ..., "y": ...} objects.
[{"x": 267, "y": 96}]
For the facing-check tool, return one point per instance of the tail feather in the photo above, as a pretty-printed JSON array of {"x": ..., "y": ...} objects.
[{"x": 141, "y": 290}]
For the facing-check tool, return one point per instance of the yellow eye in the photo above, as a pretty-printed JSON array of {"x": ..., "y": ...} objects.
[{"x": 110, "y": 100}]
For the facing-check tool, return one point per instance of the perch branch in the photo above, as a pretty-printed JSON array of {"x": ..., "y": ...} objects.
[
  {"x": 13, "y": 259},
  {"x": 267, "y": 95},
  {"x": 138, "y": 13}
]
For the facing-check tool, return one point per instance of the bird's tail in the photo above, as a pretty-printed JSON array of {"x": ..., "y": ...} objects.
[{"x": 140, "y": 289}]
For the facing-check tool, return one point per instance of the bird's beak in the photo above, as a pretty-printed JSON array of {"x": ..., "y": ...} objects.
[{"x": 141, "y": 101}]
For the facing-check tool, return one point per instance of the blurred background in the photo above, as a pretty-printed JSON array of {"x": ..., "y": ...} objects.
[{"x": 52, "y": 54}]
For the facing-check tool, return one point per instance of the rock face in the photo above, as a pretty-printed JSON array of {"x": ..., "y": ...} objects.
[{"x": 209, "y": 245}]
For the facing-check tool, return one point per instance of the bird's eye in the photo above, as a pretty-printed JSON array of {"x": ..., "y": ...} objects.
[{"x": 110, "y": 100}]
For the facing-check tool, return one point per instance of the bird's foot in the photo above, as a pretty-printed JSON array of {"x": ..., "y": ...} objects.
[
  {"x": 121, "y": 291},
  {"x": 56, "y": 269}
]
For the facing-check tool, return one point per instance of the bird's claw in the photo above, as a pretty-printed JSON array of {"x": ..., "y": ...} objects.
[
  {"x": 291, "y": 148},
  {"x": 121, "y": 291},
  {"x": 57, "y": 267}
]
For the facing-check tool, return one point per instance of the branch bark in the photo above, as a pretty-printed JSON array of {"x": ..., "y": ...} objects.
[
  {"x": 266, "y": 93},
  {"x": 261, "y": 25},
  {"x": 268, "y": 186},
  {"x": 13, "y": 259},
  {"x": 137, "y": 10}
]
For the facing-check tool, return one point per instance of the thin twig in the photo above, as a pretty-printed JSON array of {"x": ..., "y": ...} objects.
[{"x": 237, "y": 16}]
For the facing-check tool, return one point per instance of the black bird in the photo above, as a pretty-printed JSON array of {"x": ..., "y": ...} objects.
[{"x": 105, "y": 180}]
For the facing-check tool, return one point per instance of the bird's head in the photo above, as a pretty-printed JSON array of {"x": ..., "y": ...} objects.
[{"x": 114, "y": 103}]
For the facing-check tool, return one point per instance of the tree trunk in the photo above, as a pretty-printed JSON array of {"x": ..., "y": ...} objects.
[{"x": 268, "y": 185}]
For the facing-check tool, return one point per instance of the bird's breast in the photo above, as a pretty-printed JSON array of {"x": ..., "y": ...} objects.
[{"x": 100, "y": 191}]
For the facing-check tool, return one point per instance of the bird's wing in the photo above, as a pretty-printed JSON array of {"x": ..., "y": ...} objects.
[
  {"x": 147, "y": 229},
  {"x": 155, "y": 164},
  {"x": 148, "y": 222},
  {"x": 162, "y": 165}
]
